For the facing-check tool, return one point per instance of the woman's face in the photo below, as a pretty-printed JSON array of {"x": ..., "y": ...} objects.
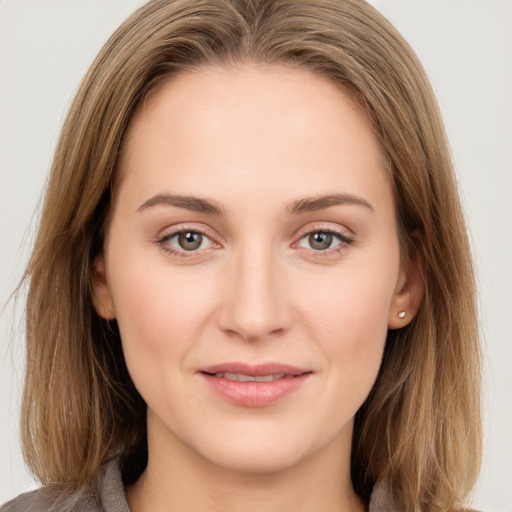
[{"x": 252, "y": 263}]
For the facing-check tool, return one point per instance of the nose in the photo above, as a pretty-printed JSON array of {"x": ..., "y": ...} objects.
[{"x": 256, "y": 303}]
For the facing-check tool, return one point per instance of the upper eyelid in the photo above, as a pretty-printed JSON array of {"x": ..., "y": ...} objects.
[
  {"x": 172, "y": 231},
  {"x": 343, "y": 239},
  {"x": 324, "y": 226},
  {"x": 331, "y": 231},
  {"x": 299, "y": 233}
]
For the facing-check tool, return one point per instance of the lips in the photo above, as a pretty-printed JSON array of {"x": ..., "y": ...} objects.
[{"x": 254, "y": 385}]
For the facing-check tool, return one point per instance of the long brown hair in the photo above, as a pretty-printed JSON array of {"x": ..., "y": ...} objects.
[{"x": 420, "y": 427}]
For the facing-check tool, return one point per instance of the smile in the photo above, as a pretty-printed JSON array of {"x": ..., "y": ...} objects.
[{"x": 254, "y": 385}]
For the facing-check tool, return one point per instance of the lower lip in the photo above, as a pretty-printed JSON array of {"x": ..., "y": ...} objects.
[{"x": 255, "y": 394}]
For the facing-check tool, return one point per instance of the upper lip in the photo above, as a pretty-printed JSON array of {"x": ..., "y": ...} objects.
[{"x": 254, "y": 370}]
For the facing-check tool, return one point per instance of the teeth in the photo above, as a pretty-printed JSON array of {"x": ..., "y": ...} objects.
[
  {"x": 268, "y": 378},
  {"x": 240, "y": 377}
]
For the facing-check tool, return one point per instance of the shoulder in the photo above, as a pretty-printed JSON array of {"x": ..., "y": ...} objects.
[
  {"x": 103, "y": 494},
  {"x": 53, "y": 499},
  {"x": 381, "y": 500},
  {"x": 24, "y": 502}
]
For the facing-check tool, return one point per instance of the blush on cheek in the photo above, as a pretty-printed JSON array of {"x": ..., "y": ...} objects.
[
  {"x": 351, "y": 324},
  {"x": 160, "y": 313}
]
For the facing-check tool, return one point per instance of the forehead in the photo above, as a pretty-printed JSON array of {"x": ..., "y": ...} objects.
[{"x": 254, "y": 128}]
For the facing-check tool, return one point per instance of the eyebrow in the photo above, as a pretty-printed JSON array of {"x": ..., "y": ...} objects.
[
  {"x": 195, "y": 204},
  {"x": 313, "y": 204},
  {"x": 304, "y": 205}
]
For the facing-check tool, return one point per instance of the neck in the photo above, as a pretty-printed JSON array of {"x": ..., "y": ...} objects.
[{"x": 176, "y": 478}]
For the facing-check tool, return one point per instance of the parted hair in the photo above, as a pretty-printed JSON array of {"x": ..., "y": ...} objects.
[{"x": 419, "y": 429}]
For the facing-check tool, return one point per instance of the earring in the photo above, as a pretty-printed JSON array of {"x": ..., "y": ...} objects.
[{"x": 401, "y": 314}]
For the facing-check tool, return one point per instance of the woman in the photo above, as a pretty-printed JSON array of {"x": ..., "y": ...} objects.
[{"x": 251, "y": 285}]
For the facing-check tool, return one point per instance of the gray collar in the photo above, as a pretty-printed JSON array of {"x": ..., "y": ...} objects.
[{"x": 113, "y": 496}]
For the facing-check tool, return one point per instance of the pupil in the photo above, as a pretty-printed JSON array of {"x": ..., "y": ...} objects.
[
  {"x": 190, "y": 241},
  {"x": 320, "y": 241}
]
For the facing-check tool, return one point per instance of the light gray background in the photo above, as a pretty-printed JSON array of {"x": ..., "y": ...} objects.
[{"x": 466, "y": 47}]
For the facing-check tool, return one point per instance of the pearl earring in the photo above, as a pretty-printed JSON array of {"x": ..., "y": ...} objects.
[{"x": 401, "y": 314}]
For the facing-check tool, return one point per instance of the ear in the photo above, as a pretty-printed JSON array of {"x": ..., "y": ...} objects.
[
  {"x": 101, "y": 297},
  {"x": 408, "y": 294}
]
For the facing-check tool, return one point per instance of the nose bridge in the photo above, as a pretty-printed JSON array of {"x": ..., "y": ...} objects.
[{"x": 255, "y": 302}]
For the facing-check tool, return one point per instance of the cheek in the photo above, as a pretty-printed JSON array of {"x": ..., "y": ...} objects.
[
  {"x": 349, "y": 302},
  {"x": 347, "y": 314},
  {"x": 161, "y": 316},
  {"x": 350, "y": 329},
  {"x": 159, "y": 312}
]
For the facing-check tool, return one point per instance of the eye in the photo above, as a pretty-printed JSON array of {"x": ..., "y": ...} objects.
[
  {"x": 185, "y": 241},
  {"x": 323, "y": 240},
  {"x": 189, "y": 241}
]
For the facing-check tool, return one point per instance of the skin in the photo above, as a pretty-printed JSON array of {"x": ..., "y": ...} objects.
[{"x": 254, "y": 141}]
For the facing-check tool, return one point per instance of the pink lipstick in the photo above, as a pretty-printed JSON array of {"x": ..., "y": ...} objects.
[{"x": 254, "y": 385}]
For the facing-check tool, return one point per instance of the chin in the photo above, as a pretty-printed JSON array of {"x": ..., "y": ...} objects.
[
  {"x": 257, "y": 459},
  {"x": 259, "y": 451}
]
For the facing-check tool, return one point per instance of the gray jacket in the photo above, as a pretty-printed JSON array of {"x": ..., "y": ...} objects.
[{"x": 107, "y": 494}]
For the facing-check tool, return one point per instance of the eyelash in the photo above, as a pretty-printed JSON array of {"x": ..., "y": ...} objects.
[
  {"x": 163, "y": 242},
  {"x": 344, "y": 241}
]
